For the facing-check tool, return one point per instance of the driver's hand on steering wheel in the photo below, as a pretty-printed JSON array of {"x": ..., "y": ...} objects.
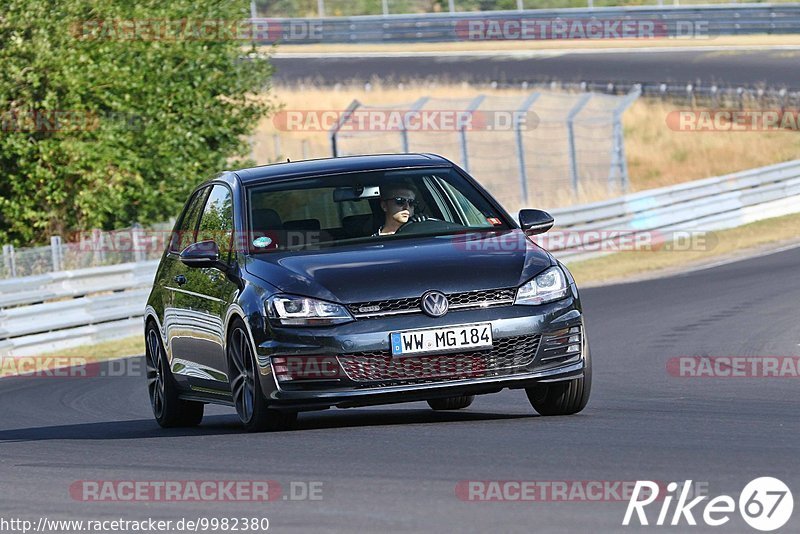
[{"x": 418, "y": 218}]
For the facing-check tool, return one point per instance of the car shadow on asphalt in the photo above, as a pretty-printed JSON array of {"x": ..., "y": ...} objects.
[{"x": 229, "y": 424}]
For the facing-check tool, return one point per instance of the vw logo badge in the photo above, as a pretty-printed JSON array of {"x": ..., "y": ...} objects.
[{"x": 434, "y": 303}]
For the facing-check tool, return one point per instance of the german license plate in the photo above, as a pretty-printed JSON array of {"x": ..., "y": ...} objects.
[{"x": 450, "y": 339}]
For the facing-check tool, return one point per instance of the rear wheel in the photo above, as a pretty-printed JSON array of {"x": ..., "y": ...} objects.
[
  {"x": 451, "y": 403},
  {"x": 168, "y": 409},
  {"x": 563, "y": 398},
  {"x": 248, "y": 398}
]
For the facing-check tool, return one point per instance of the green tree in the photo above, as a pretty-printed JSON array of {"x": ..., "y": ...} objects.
[{"x": 166, "y": 110}]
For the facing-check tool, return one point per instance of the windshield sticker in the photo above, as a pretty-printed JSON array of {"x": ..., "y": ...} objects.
[{"x": 262, "y": 242}]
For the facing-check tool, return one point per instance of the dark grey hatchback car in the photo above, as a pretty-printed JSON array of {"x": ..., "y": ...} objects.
[{"x": 358, "y": 281}]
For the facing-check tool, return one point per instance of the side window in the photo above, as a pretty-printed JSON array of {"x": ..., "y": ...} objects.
[
  {"x": 217, "y": 221},
  {"x": 184, "y": 233},
  {"x": 471, "y": 215}
]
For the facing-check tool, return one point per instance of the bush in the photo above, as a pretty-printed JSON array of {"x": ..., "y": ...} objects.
[{"x": 103, "y": 127}]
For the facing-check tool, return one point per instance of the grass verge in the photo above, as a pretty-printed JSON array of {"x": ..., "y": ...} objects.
[
  {"x": 723, "y": 245},
  {"x": 550, "y": 44}
]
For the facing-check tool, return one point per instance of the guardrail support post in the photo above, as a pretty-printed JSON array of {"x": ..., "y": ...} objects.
[
  {"x": 10, "y": 260},
  {"x": 56, "y": 253},
  {"x": 523, "y": 174},
  {"x": 573, "y": 156},
  {"x": 476, "y": 102}
]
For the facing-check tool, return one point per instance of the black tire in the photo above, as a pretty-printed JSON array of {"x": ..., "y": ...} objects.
[
  {"x": 168, "y": 410},
  {"x": 563, "y": 398},
  {"x": 451, "y": 403},
  {"x": 248, "y": 398}
]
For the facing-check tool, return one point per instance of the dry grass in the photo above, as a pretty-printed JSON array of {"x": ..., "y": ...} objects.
[
  {"x": 107, "y": 350},
  {"x": 722, "y": 245},
  {"x": 552, "y": 44},
  {"x": 657, "y": 156}
]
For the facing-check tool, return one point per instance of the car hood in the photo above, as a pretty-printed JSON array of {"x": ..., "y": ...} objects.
[{"x": 404, "y": 268}]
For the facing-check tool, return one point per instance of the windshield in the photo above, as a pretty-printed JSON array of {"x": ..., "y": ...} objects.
[{"x": 377, "y": 205}]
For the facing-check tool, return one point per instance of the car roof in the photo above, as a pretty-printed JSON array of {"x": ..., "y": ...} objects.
[{"x": 319, "y": 167}]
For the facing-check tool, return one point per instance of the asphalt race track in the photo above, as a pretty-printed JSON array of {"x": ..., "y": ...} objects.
[
  {"x": 772, "y": 68},
  {"x": 396, "y": 468}
]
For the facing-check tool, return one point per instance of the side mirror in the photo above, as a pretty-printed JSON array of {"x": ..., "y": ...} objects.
[
  {"x": 202, "y": 254},
  {"x": 535, "y": 222}
]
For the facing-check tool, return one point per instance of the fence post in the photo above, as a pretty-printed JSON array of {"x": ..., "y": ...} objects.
[
  {"x": 618, "y": 160},
  {"x": 136, "y": 240},
  {"x": 10, "y": 260},
  {"x": 573, "y": 156},
  {"x": 56, "y": 253},
  {"x": 321, "y": 8},
  {"x": 476, "y": 102},
  {"x": 523, "y": 174},
  {"x": 385, "y": 6},
  {"x": 334, "y": 132},
  {"x": 416, "y": 106},
  {"x": 276, "y": 141}
]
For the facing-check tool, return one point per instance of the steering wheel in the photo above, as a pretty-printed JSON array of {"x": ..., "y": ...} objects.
[{"x": 427, "y": 225}]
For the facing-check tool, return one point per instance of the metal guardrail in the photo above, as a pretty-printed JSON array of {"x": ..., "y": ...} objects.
[
  {"x": 704, "y": 205},
  {"x": 71, "y": 308},
  {"x": 447, "y": 27}
]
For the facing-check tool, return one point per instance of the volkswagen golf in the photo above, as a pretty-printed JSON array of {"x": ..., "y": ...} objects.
[{"x": 358, "y": 281}]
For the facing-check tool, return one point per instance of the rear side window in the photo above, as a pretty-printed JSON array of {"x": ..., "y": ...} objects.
[{"x": 185, "y": 230}]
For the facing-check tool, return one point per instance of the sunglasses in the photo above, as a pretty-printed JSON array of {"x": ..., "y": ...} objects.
[{"x": 402, "y": 201}]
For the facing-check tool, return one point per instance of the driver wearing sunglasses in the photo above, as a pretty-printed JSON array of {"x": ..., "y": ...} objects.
[{"x": 398, "y": 204}]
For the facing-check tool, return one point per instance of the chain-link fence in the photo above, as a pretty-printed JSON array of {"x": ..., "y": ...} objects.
[
  {"x": 88, "y": 249},
  {"x": 545, "y": 148}
]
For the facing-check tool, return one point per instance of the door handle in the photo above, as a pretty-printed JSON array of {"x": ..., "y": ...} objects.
[{"x": 180, "y": 279}]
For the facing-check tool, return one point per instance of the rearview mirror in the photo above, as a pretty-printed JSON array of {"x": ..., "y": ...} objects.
[
  {"x": 202, "y": 254},
  {"x": 535, "y": 222},
  {"x": 341, "y": 194}
]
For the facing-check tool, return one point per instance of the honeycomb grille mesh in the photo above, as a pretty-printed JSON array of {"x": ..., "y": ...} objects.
[
  {"x": 507, "y": 353},
  {"x": 496, "y": 297}
]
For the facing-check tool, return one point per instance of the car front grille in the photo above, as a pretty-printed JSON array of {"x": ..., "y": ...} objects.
[
  {"x": 456, "y": 301},
  {"x": 376, "y": 368}
]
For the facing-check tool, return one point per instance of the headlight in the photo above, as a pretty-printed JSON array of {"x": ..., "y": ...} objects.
[
  {"x": 289, "y": 310},
  {"x": 548, "y": 286}
]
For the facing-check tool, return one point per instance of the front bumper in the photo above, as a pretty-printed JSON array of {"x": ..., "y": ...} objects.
[{"x": 547, "y": 330}]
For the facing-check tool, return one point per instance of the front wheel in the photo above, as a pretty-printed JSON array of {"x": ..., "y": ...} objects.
[
  {"x": 248, "y": 398},
  {"x": 168, "y": 409},
  {"x": 563, "y": 398}
]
